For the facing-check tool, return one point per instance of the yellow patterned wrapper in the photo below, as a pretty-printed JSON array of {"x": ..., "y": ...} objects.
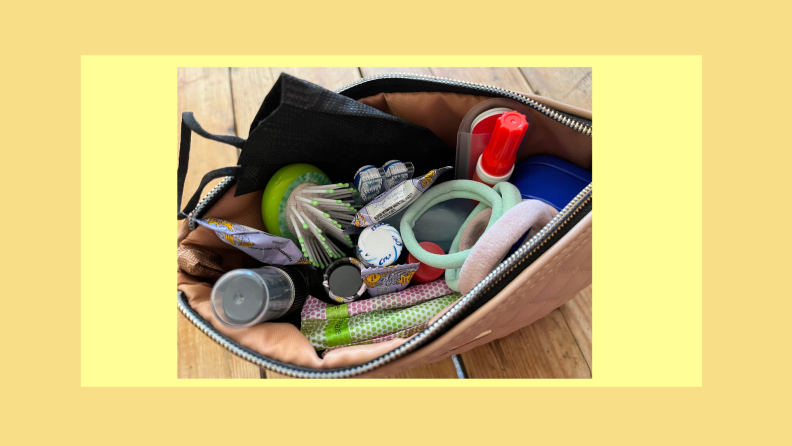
[
  {"x": 260, "y": 245},
  {"x": 389, "y": 279}
]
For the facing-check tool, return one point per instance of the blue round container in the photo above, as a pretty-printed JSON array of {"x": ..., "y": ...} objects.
[{"x": 550, "y": 179}]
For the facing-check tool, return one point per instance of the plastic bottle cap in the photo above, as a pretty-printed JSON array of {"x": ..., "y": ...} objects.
[
  {"x": 425, "y": 272},
  {"x": 379, "y": 245},
  {"x": 501, "y": 152},
  {"x": 490, "y": 180}
]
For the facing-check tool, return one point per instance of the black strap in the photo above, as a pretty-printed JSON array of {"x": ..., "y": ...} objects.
[
  {"x": 219, "y": 173},
  {"x": 189, "y": 125},
  {"x": 189, "y": 120}
]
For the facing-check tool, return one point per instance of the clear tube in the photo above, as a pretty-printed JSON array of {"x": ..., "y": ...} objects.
[{"x": 246, "y": 297}]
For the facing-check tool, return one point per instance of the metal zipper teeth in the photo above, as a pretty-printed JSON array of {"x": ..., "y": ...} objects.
[
  {"x": 507, "y": 266},
  {"x": 208, "y": 198},
  {"x": 545, "y": 110}
]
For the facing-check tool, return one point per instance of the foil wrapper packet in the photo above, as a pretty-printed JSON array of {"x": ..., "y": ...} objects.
[
  {"x": 393, "y": 200},
  {"x": 260, "y": 245}
]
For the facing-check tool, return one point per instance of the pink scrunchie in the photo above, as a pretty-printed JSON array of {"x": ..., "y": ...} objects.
[{"x": 491, "y": 247}]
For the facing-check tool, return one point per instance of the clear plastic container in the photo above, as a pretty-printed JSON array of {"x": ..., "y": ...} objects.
[
  {"x": 370, "y": 182},
  {"x": 475, "y": 131},
  {"x": 245, "y": 297}
]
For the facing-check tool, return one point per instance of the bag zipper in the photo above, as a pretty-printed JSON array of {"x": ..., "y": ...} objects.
[
  {"x": 210, "y": 199},
  {"x": 461, "y": 309},
  {"x": 536, "y": 105}
]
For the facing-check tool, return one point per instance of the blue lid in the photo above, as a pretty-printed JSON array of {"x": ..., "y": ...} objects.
[{"x": 550, "y": 179}]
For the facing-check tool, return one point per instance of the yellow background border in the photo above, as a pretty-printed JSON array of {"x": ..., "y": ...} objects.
[
  {"x": 745, "y": 165},
  {"x": 647, "y": 333}
]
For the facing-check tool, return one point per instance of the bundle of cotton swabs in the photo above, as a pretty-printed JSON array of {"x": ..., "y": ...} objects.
[{"x": 319, "y": 213}]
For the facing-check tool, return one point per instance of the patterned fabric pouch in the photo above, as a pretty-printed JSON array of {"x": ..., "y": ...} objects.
[
  {"x": 374, "y": 326},
  {"x": 317, "y": 309},
  {"x": 406, "y": 333}
]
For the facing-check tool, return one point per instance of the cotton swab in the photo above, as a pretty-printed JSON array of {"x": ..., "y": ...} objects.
[
  {"x": 318, "y": 214},
  {"x": 306, "y": 247}
]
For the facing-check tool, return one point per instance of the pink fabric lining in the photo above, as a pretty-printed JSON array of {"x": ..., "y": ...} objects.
[{"x": 492, "y": 246}]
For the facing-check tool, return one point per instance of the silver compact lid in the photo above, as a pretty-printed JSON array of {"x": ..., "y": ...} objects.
[{"x": 379, "y": 245}]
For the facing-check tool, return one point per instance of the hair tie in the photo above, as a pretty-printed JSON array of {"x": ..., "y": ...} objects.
[{"x": 502, "y": 197}]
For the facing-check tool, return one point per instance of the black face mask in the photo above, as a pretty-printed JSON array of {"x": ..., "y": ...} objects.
[{"x": 300, "y": 122}]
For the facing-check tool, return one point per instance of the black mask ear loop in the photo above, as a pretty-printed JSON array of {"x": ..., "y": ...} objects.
[{"x": 189, "y": 125}]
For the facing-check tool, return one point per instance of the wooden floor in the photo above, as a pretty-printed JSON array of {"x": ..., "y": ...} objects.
[{"x": 225, "y": 101}]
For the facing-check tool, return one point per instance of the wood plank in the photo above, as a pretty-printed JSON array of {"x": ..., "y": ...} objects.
[
  {"x": 509, "y": 78},
  {"x": 371, "y": 71},
  {"x": 328, "y": 77},
  {"x": 207, "y": 93},
  {"x": 577, "y": 313},
  {"x": 544, "y": 349},
  {"x": 249, "y": 87},
  {"x": 568, "y": 85},
  {"x": 201, "y": 358},
  {"x": 438, "y": 370}
]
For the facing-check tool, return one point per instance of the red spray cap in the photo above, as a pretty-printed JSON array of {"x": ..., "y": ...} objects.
[{"x": 501, "y": 152}]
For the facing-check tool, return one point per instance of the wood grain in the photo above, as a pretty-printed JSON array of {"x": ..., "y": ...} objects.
[
  {"x": 544, "y": 349},
  {"x": 200, "y": 357},
  {"x": 207, "y": 93},
  {"x": 330, "y": 78},
  {"x": 371, "y": 71},
  {"x": 568, "y": 85},
  {"x": 437, "y": 370},
  {"x": 577, "y": 313},
  {"x": 509, "y": 78},
  {"x": 249, "y": 87}
]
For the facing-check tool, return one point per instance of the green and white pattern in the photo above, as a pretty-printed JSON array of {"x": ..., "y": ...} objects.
[
  {"x": 311, "y": 177},
  {"x": 327, "y": 333}
]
